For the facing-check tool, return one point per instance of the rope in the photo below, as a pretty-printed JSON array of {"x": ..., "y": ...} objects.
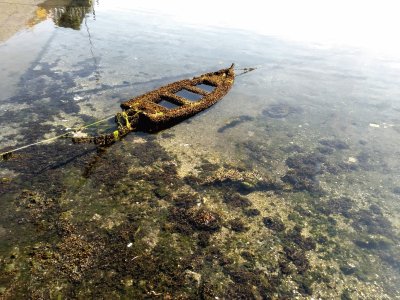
[
  {"x": 245, "y": 70},
  {"x": 8, "y": 154}
]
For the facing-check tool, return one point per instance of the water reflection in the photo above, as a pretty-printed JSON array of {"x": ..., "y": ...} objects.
[
  {"x": 68, "y": 14},
  {"x": 64, "y": 13}
]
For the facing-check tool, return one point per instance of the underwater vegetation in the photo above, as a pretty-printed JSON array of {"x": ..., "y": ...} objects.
[
  {"x": 280, "y": 110},
  {"x": 93, "y": 223},
  {"x": 303, "y": 172},
  {"x": 147, "y": 232}
]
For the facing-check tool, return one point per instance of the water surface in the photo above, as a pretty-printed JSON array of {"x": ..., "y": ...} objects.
[{"x": 288, "y": 187}]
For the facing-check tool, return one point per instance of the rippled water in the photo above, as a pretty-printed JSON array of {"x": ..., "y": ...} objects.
[{"x": 288, "y": 187}]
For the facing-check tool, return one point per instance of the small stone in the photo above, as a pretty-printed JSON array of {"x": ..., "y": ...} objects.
[
  {"x": 127, "y": 282},
  {"x": 193, "y": 276},
  {"x": 352, "y": 160},
  {"x": 96, "y": 217}
]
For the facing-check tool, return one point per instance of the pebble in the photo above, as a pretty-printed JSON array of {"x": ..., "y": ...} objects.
[{"x": 352, "y": 160}]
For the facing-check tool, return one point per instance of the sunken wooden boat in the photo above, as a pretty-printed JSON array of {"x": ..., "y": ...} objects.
[
  {"x": 152, "y": 116},
  {"x": 165, "y": 107}
]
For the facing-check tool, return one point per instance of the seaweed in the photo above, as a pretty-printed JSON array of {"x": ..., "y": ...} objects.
[
  {"x": 335, "y": 144},
  {"x": 236, "y": 200},
  {"x": 367, "y": 221},
  {"x": 298, "y": 258},
  {"x": 274, "y": 224},
  {"x": 251, "y": 212},
  {"x": 237, "y": 225},
  {"x": 235, "y": 122},
  {"x": 278, "y": 111},
  {"x": 325, "y": 150},
  {"x": 199, "y": 219},
  {"x": 396, "y": 190},
  {"x": 303, "y": 172},
  {"x": 185, "y": 200},
  {"x": 293, "y": 148},
  {"x": 203, "y": 239},
  {"x": 304, "y": 243},
  {"x": 342, "y": 205},
  {"x": 243, "y": 182},
  {"x": 203, "y": 219}
]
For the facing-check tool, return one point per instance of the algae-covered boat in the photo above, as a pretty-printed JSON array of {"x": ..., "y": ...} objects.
[{"x": 165, "y": 106}]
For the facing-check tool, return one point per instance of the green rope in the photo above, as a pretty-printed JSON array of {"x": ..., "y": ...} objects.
[{"x": 8, "y": 154}]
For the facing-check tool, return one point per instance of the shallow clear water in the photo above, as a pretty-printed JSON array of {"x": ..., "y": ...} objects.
[{"x": 287, "y": 187}]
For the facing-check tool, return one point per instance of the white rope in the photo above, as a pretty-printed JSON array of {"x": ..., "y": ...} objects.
[{"x": 6, "y": 155}]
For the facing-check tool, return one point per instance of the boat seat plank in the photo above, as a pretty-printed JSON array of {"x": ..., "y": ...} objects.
[
  {"x": 178, "y": 100},
  {"x": 196, "y": 90}
]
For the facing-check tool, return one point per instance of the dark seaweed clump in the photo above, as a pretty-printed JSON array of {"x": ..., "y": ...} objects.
[
  {"x": 274, "y": 224},
  {"x": 185, "y": 200},
  {"x": 298, "y": 258},
  {"x": 229, "y": 178},
  {"x": 295, "y": 236},
  {"x": 396, "y": 190},
  {"x": 278, "y": 111},
  {"x": 237, "y": 225},
  {"x": 325, "y": 150},
  {"x": 186, "y": 221},
  {"x": 236, "y": 200},
  {"x": 372, "y": 222},
  {"x": 293, "y": 148},
  {"x": 251, "y": 212},
  {"x": 334, "y": 144},
  {"x": 303, "y": 172},
  {"x": 341, "y": 206},
  {"x": 257, "y": 152}
]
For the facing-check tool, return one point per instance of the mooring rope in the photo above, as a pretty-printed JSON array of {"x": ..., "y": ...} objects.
[
  {"x": 8, "y": 154},
  {"x": 245, "y": 70}
]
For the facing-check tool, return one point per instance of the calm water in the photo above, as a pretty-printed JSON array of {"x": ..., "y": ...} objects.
[{"x": 289, "y": 187}]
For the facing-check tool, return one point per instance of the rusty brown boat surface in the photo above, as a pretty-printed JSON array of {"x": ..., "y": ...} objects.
[{"x": 153, "y": 117}]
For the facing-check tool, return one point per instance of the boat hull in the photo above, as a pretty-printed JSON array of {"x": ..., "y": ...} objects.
[{"x": 150, "y": 116}]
